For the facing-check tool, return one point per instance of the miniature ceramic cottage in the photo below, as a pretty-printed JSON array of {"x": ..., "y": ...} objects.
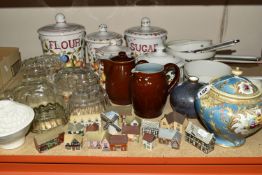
[
  {"x": 174, "y": 120},
  {"x": 169, "y": 137},
  {"x": 118, "y": 142},
  {"x": 131, "y": 120},
  {"x": 149, "y": 141},
  {"x": 200, "y": 138},
  {"x": 92, "y": 122},
  {"x": 125, "y": 113},
  {"x": 64, "y": 39},
  {"x": 151, "y": 127},
  {"x": 75, "y": 128},
  {"x": 132, "y": 132},
  {"x": 93, "y": 140},
  {"x": 73, "y": 141},
  {"x": 105, "y": 142},
  {"x": 50, "y": 139},
  {"x": 144, "y": 39}
]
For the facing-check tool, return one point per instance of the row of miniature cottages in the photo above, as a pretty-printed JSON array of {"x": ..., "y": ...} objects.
[{"x": 105, "y": 141}]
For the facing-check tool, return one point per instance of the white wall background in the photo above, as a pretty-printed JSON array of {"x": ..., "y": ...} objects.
[{"x": 18, "y": 26}]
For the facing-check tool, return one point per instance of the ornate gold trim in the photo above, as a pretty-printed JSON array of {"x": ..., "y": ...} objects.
[
  {"x": 233, "y": 100},
  {"x": 234, "y": 96}
]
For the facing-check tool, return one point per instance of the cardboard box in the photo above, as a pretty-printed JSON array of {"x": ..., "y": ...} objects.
[{"x": 10, "y": 63}]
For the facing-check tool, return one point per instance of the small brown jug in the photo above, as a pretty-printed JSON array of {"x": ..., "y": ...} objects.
[
  {"x": 118, "y": 78},
  {"x": 150, "y": 88}
]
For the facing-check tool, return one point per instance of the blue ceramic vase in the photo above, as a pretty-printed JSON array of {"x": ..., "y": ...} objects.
[
  {"x": 182, "y": 97},
  {"x": 230, "y": 107}
]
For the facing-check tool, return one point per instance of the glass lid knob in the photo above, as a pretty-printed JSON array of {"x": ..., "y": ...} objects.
[
  {"x": 102, "y": 28},
  {"x": 145, "y": 22},
  {"x": 60, "y": 18}
]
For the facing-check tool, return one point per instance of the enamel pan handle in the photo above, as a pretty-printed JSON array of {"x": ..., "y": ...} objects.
[{"x": 217, "y": 46}]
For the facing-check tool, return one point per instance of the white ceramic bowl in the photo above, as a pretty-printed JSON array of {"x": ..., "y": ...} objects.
[
  {"x": 206, "y": 70},
  {"x": 179, "y": 48},
  {"x": 15, "y": 122}
]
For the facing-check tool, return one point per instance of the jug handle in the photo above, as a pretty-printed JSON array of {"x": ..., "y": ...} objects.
[{"x": 174, "y": 82}]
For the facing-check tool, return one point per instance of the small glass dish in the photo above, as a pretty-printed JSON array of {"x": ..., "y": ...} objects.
[
  {"x": 69, "y": 80},
  {"x": 45, "y": 66},
  {"x": 88, "y": 100},
  {"x": 40, "y": 95}
]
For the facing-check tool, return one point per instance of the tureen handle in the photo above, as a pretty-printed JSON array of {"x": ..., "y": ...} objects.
[{"x": 237, "y": 71}]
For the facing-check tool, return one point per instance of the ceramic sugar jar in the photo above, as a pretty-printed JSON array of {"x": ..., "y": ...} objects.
[
  {"x": 144, "y": 38},
  {"x": 64, "y": 39},
  {"x": 99, "y": 39},
  {"x": 231, "y": 108}
]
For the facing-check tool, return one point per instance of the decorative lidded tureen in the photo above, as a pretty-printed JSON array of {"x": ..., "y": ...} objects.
[
  {"x": 64, "y": 39},
  {"x": 144, "y": 39},
  {"x": 99, "y": 39},
  {"x": 231, "y": 108}
]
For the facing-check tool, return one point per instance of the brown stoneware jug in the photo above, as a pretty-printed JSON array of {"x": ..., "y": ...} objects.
[
  {"x": 150, "y": 88},
  {"x": 118, "y": 78}
]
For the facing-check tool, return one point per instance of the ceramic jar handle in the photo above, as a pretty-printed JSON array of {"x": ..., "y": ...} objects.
[{"x": 169, "y": 67}]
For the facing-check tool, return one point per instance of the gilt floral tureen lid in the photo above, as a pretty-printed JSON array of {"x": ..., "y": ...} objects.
[
  {"x": 145, "y": 30},
  {"x": 235, "y": 86},
  {"x": 61, "y": 27},
  {"x": 103, "y": 35}
]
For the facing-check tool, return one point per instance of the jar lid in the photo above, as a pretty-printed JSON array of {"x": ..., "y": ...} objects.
[
  {"x": 103, "y": 35},
  {"x": 235, "y": 86},
  {"x": 61, "y": 27},
  {"x": 161, "y": 57},
  {"x": 113, "y": 50},
  {"x": 145, "y": 30}
]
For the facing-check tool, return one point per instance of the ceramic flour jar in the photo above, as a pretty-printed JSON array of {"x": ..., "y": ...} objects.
[
  {"x": 64, "y": 39},
  {"x": 144, "y": 38},
  {"x": 97, "y": 40}
]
